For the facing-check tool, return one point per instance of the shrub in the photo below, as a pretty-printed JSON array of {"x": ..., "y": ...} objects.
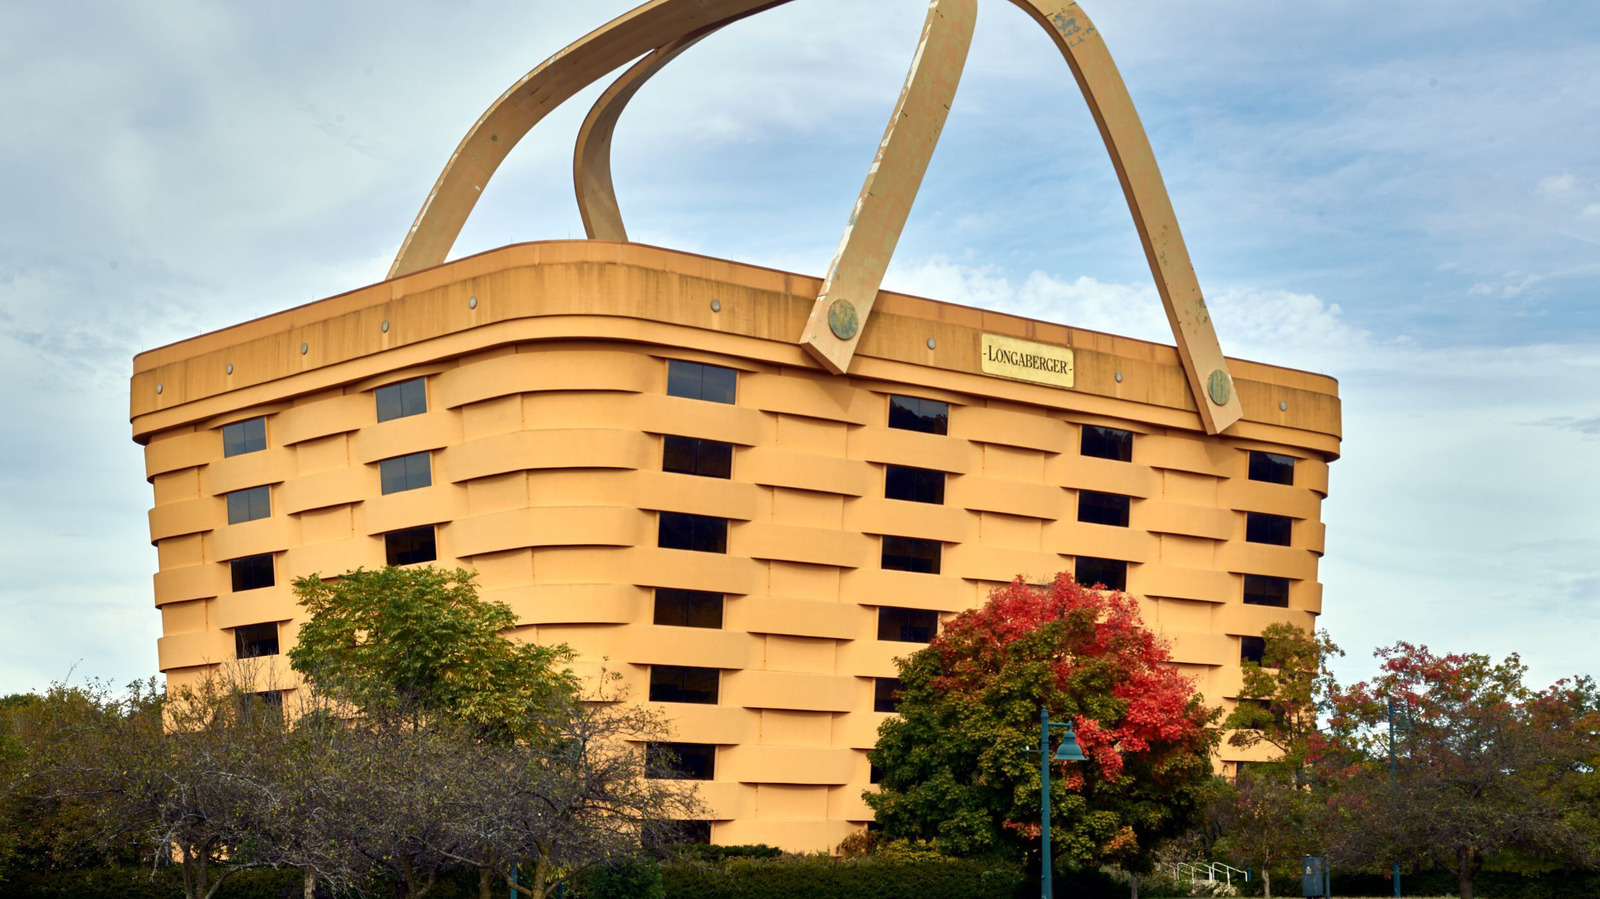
[
  {"x": 824, "y": 878},
  {"x": 627, "y": 879}
]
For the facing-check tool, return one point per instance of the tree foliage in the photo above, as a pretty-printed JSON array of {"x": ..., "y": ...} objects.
[
  {"x": 1269, "y": 815},
  {"x": 1483, "y": 764},
  {"x": 1281, "y": 696},
  {"x": 422, "y": 640},
  {"x": 957, "y": 767}
]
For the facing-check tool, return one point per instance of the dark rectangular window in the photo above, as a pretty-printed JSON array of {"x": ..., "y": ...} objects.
[
  {"x": 680, "y": 761},
  {"x": 1111, "y": 574},
  {"x": 405, "y": 473},
  {"x": 689, "y": 832},
  {"x": 907, "y": 625},
  {"x": 681, "y": 683},
  {"x": 1265, "y": 706},
  {"x": 1103, "y": 508},
  {"x": 1271, "y": 467},
  {"x": 1251, "y": 649},
  {"x": 402, "y": 399},
  {"x": 410, "y": 546},
  {"x": 914, "y": 485},
  {"x": 251, "y": 641},
  {"x": 691, "y": 455},
  {"x": 242, "y": 437},
  {"x": 911, "y": 554},
  {"x": 248, "y": 505},
  {"x": 698, "y": 533},
  {"x": 874, "y": 773},
  {"x": 268, "y": 705},
  {"x": 688, "y": 608},
  {"x": 251, "y": 572},
  {"x": 1262, "y": 590},
  {"x": 1107, "y": 443},
  {"x": 696, "y": 381},
  {"x": 886, "y": 692},
  {"x": 912, "y": 413},
  {"x": 1259, "y": 527}
]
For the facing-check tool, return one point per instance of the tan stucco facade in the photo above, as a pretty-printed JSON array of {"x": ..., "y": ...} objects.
[{"x": 547, "y": 406}]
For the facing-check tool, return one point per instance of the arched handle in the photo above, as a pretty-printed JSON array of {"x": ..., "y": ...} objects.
[{"x": 664, "y": 28}]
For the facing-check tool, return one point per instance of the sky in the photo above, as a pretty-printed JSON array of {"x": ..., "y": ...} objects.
[{"x": 1406, "y": 200}]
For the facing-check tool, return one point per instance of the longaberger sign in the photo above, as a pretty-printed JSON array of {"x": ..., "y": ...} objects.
[{"x": 1025, "y": 360}]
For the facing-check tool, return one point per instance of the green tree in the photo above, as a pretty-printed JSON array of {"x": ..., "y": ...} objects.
[
  {"x": 1267, "y": 816},
  {"x": 1281, "y": 696},
  {"x": 957, "y": 767},
  {"x": 421, "y": 641},
  {"x": 1266, "y": 820}
]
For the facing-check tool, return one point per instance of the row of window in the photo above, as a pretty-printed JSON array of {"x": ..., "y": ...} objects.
[
  {"x": 717, "y": 384},
  {"x": 393, "y": 401},
  {"x": 693, "y": 608}
]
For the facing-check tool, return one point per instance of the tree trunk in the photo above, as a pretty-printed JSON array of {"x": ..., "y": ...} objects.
[
  {"x": 308, "y": 888},
  {"x": 1133, "y": 886},
  {"x": 1266, "y": 882},
  {"x": 486, "y": 880},
  {"x": 1464, "y": 871}
]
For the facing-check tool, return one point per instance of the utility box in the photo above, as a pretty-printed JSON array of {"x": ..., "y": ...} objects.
[{"x": 1314, "y": 876}]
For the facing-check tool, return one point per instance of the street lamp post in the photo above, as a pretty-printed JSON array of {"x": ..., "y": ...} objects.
[
  {"x": 1396, "y": 870},
  {"x": 1068, "y": 751}
]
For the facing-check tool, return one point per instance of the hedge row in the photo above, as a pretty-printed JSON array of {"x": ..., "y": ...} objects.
[{"x": 822, "y": 878}]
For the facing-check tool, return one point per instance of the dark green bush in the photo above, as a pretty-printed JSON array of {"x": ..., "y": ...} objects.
[
  {"x": 627, "y": 879},
  {"x": 825, "y": 878},
  {"x": 710, "y": 853}
]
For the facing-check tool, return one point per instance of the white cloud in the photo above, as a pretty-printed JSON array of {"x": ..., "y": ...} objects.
[{"x": 1557, "y": 187}]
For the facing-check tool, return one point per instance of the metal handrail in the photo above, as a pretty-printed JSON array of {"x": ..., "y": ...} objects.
[{"x": 1210, "y": 870}]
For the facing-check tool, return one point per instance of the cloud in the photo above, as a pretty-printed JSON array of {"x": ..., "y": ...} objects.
[
  {"x": 1557, "y": 187},
  {"x": 1589, "y": 427}
]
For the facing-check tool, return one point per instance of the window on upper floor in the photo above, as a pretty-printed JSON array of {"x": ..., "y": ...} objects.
[
  {"x": 912, "y": 413},
  {"x": 1103, "y": 508},
  {"x": 907, "y": 625},
  {"x": 911, "y": 554},
  {"x": 249, "y": 504},
  {"x": 410, "y": 546},
  {"x": 1106, "y": 443},
  {"x": 697, "y": 533},
  {"x": 1264, "y": 590},
  {"x": 886, "y": 691},
  {"x": 405, "y": 473},
  {"x": 874, "y": 773},
  {"x": 688, "y": 608},
  {"x": 683, "y": 683},
  {"x": 1251, "y": 649},
  {"x": 1109, "y": 574},
  {"x": 692, "y": 455},
  {"x": 248, "y": 436},
  {"x": 1259, "y": 527},
  {"x": 251, "y": 572},
  {"x": 680, "y": 761},
  {"x": 402, "y": 399},
  {"x": 252, "y": 641},
  {"x": 698, "y": 381},
  {"x": 1271, "y": 467},
  {"x": 914, "y": 485}
]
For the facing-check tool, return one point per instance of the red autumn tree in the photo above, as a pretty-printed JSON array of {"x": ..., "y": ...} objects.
[
  {"x": 956, "y": 763},
  {"x": 1484, "y": 766}
]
